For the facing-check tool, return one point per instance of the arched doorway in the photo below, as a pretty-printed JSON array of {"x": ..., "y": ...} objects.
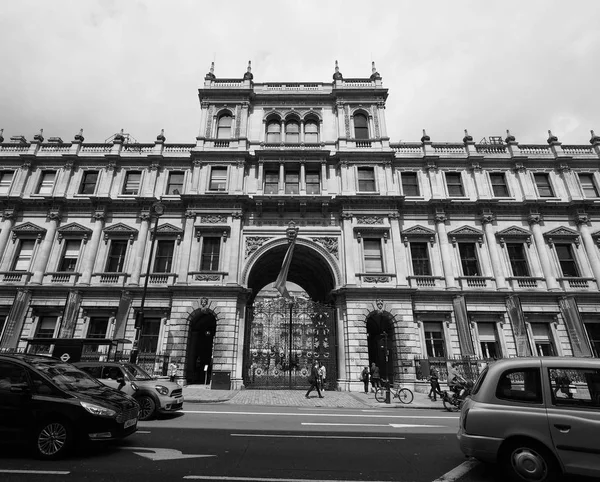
[
  {"x": 380, "y": 341},
  {"x": 284, "y": 338},
  {"x": 200, "y": 348}
]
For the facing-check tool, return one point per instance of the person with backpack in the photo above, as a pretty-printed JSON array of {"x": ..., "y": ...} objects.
[{"x": 364, "y": 376}]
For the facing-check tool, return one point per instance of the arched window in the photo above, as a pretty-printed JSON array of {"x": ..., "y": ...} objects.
[
  {"x": 224, "y": 127},
  {"x": 361, "y": 127},
  {"x": 273, "y": 131},
  {"x": 311, "y": 132},
  {"x": 292, "y": 132}
]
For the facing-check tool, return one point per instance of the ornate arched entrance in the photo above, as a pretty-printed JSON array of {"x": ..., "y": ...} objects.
[
  {"x": 380, "y": 341},
  {"x": 200, "y": 347},
  {"x": 284, "y": 338}
]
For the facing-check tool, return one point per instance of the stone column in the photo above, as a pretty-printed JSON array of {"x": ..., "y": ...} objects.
[
  {"x": 440, "y": 225},
  {"x": 281, "y": 184},
  {"x": 91, "y": 252},
  {"x": 260, "y": 178},
  {"x": 324, "y": 186},
  {"x": 186, "y": 246},
  {"x": 525, "y": 181},
  {"x": 149, "y": 179},
  {"x": 534, "y": 221},
  {"x": 8, "y": 221},
  {"x": 582, "y": 220},
  {"x": 399, "y": 250},
  {"x": 43, "y": 254},
  {"x": 349, "y": 248},
  {"x": 234, "y": 247},
  {"x": 196, "y": 166},
  {"x": 571, "y": 182},
  {"x": 141, "y": 247},
  {"x": 21, "y": 176},
  {"x": 490, "y": 239},
  {"x": 302, "y": 187}
]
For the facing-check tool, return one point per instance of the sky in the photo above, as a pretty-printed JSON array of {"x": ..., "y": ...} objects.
[{"x": 486, "y": 66}]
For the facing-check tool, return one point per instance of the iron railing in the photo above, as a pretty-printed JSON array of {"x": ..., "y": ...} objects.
[{"x": 468, "y": 367}]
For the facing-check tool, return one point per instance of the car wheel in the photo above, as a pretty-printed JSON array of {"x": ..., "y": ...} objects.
[
  {"x": 147, "y": 407},
  {"x": 529, "y": 461},
  {"x": 52, "y": 439}
]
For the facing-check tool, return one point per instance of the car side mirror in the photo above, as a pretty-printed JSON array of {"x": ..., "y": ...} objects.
[{"x": 121, "y": 382}]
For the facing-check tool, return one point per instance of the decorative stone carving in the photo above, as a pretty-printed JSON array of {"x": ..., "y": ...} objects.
[
  {"x": 440, "y": 218},
  {"x": 582, "y": 218},
  {"x": 26, "y": 165},
  {"x": 8, "y": 214},
  {"x": 329, "y": 243},
  {"x": 253, "y": 243},
  {"x": 534, "y": 218},
  {"x": 27, "y": 229},
  {"x": 376, "y": 123},
  {"x": 120, "y": 230},
  {"x": 347, "y": 121},
  {"x": 514, "y": 233},
  {"x": 562, "y": 168},
  {"x": 54, "y": 214},
  {"x": 208, "y": 277},
  {"x": 369, "y": 219},
  {"x": 519, "y": 167},
  {"x": 68, "y": 165},
  {"x": 209, "y": 119},
  {"x": 189, "y": 214},
  {"x": 213, "y": 218},
  {"x": 487, "y": 218},
  {"x": 111, "y": 165},
  {"x": 431, "y": 166},
  {"x": 376, "y": 279}
]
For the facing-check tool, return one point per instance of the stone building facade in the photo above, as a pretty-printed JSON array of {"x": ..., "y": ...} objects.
[{"x": 424, "y": 252}]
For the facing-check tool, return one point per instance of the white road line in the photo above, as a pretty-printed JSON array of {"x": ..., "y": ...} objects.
[
  {"x": 347, "y": 415},
  {"x": 143, "y": 431},
  {"x": 457, "y": 472},
  {"x": 41, "y": 472},
  {"x": 312, "y": 436},
  {"x": 347, "y": 424},
  {"x": 263, "y": 479}
]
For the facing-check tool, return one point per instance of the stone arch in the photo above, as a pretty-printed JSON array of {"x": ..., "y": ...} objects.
[
  {"x": 202, "y": 326},
  {"x": 381, "y": 340}
]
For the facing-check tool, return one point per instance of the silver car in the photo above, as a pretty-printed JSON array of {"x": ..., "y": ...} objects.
[{"x": 536, "y": 417}]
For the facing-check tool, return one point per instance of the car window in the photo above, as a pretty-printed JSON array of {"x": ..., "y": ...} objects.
[
  {"x": 112, "y": 373},
  {"x": 479, "y": 381},
  {"x": 12, "y": 375},
  {"x": 94, "y": 370},
  {"x": 521, "y": 385},
  {"x": 137, "y": 372},
  {"x": 575, "y": 387},
  {"x": 40, "y": 385},
  {"x": 65, "y": 375}
]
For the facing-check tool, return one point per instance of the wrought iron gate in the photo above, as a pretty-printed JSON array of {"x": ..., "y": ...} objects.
[{"x": 284, "y": 338}]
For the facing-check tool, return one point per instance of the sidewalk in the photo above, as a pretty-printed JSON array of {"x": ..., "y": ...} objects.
[{"x": 296, "y": 398}]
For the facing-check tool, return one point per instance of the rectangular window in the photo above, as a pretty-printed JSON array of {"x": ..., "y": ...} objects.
[
  {"x": 454, "y": 183},
  {"x": 70, "y": 256},
  {"x": 410, "y": 184},
  {"x": 521, "y": 385},
  {"x": 116, "y": 256},
  {"x": 593, "y": 331},
  {"x": 373, "y": 255},
  {"x": 163, "y": 262},
  {"x": 98, "y": 327},
  {"x": 6, "y": 178},
  {"x": 149, "y": 335},
  {"x": 579, "y": 387},
  {"x": 588, "y": 185},
  {"x": 488, "y": 340},
  {"x": 313, "y": 182},
  {"x": 271, "y": 182},
  {"x": 420, "y": 259},
  {"x": 468, "y": 259},
  {"x": 46, "y": 326},
  {"x": 499, "y": 186},
  {"x": 366, "y": 179},
  {"x": 518, "y": 259},
  {"x": 568, "y": 266},
  {"x": 292, "y": 182},
  {"x": 434, "y": 340},
  {"x": 175, "y": 184},
  {"x": 542, "y": 181},
  {"x": 23, "y": 259},
  {"x": 542, "y": 338},
  {"x": 211, "y": 247},
  {"x": 132, "y": 183},
  {"x": 218, "y": 179},
  {"x": 88, "y": 182},
  {"x": 46, "y": 185}
]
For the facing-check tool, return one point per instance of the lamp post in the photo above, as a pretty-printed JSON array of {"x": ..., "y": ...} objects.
[{"x": 157, "y": 209}]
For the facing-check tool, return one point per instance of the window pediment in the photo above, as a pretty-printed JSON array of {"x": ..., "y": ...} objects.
[
  {"x": 466, "y": 233},
  {"x": 514, "y": 233},
  {"x": 562, "y": 233},
  {"x": 168, "y": 230},
  {"x": 212, "y": 230},
  {"x": 418, "y": 233},
  {"x": 74, "y": 230},
  {"x": 120, "y": 230},
  {"x": 372, "y": 231},
  {"x": 27, "y": 230}
]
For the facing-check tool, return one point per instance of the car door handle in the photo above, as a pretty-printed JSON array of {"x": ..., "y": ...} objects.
[{"x": 562, "y": 428}]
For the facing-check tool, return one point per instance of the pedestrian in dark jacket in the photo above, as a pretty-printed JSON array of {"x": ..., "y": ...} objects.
[
  {"x": 313, "y": 379},
  {"x": 375, "y": 377},
  {"x": 365, "y": 378},
  {"x": 434, "y": 382}
]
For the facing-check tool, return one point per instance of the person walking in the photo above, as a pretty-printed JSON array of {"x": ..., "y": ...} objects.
[
  {"x": 434, "y": 382},
  {"x": 365, "y": 378},
  {"x": 313, "y": 379},
  {"x": 375, "y": 377},
  {"x": 322, "y": 375}
]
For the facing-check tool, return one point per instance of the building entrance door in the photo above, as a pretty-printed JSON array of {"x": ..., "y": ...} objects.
[
  {"x": 283, "y": 340},
  {"x": 200, "y": 348}
]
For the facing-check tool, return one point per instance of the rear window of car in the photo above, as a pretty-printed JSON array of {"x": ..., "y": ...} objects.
[
  {"x": 95, "y": 370},
  {"x": 575, "y": 387},
  {"x": 520, "y": 385},
  {"x": 479, "y": 381}
]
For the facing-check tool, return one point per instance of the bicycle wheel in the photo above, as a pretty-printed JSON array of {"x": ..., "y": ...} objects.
[
  {"x": 380, "y": 395},
  {"x": 405, "y": 395}
]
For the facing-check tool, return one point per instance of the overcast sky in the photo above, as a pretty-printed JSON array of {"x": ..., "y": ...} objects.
[{"x": 486, "y": 66}]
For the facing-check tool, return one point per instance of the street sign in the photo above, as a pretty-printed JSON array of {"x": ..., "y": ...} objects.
[{"x": 65, "y": 357}]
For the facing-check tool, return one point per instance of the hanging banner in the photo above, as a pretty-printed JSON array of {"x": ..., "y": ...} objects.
[
  {"x": 575, "y": 329},
  {"x": 517, "y": 321},
  {"x": 69, "y": 318},
  {"x": 15, "y": 320},
  {"x": 462, "y": 325}
]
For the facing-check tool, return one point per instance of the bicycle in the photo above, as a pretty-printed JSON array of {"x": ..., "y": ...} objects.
[{"x": 405, "y": 395}]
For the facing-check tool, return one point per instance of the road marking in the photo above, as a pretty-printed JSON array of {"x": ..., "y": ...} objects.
[
  {"x": 395, "y": 425},
  {"x": 164, "y": 454},
  {"x": 41, "y": 472},
  {"x": 412, "y": 425},
  {"x": 313, "y": 436},
  {"x": 457, "y": 472},
  {"x": 143, "y": 431},
  {"x": 264, "y": 479},
  {"x": 211, "y": 412}
]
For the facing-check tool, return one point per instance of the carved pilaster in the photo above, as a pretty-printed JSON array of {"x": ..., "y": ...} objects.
[
  {"x": 582, "y": 218},
  {"x": 534, "y": 218}
]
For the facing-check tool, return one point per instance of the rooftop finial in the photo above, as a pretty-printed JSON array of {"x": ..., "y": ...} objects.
[
  {"x": 337, "y": 75},
  {"x": 2, "y": 137},
  {"x": 509, "y": 137},
  {"x": 551, "y": 138},
  {"x": 374, "y": 75},
  {"x": 595, "y": 139},
  {"x": 40, "y": 136},
  {"x": 467, "y": 137},
  {"x": 211, "y": 73},
  {"x": 248, "y": 75},
  {"x": 79, "y": 137},
  {"x": 161, "y": 137},
  {"x": 425, "y": 137}
]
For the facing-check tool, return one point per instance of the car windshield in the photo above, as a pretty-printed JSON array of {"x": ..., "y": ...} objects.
[
  {"x": 66, "y": 376},
  {"x": 136, "y": 372}
]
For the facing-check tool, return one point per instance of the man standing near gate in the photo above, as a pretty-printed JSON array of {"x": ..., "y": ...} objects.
[{"x": 313, "y": 379}]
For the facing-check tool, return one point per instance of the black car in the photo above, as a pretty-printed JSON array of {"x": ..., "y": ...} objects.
[{"x": 52, "y": 405}]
